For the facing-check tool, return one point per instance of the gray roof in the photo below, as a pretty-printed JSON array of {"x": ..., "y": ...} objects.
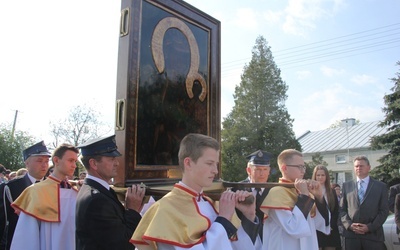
[{"x": 335, "y": 139}]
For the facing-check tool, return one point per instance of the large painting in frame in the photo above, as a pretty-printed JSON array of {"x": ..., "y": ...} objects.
[{"x": 168, "y": 85}]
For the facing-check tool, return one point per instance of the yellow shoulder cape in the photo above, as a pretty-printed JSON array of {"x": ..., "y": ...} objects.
[
  {"x": 174, "y": 220},
  {"x": 41, "y": 200},
  {"x": 279, "y": 198},
  {"x": 282, "y": 198}
]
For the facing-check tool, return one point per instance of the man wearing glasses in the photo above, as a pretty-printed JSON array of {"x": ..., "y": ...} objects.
[{"x": 294, "y": 213}]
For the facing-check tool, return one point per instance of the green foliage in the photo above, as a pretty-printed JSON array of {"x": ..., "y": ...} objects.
[
  {"x": 316, "y": 159},
  {"x": 11, "y": 147},
  {"x": 389, "y": 168},
  {"x": 259, "y": 118}
]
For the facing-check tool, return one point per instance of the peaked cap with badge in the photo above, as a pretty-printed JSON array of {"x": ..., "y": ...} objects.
[
  {"x": 104, "y": 146},
  {"x": 260, "y": 158},
  {"x": 35, "y": 150}
]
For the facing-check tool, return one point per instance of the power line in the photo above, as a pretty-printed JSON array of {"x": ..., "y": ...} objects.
[
  {"x": 335, "y": 38},
  {"x": 337, "y": 52},
  {"x": 320, "y": 48},
  {"x": 329, "y": 49}
]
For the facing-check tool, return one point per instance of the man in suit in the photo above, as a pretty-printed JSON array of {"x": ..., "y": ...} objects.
[
  {"x": 36, "y": 158},
  {"x": 102, "y": 222},
  {"x": 364, "y": 208}
]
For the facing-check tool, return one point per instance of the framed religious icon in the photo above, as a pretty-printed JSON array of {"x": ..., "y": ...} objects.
[{"x": 168, "y": 85}]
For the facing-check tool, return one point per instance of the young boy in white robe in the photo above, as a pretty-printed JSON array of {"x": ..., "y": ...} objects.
[
  {"x": 293, "y": 214},
  {"x": 186, "y": 219}
]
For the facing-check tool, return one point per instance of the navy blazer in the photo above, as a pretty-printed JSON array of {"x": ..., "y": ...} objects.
[
  {"x": 393, "y": 191},
  {"x": 372, "y": 211},
  {"x": 259, "y": 213},
  {"x": 102, "y": 222},
  {"x": 16, "y": 186}
]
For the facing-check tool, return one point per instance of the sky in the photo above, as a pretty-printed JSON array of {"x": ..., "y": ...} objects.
[{"x": 336, "y": 57}]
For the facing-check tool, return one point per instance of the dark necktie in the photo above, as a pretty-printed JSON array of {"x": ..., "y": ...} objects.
[
  {"x": 65, "y": 184},
  {"x": 258, "y": 197},
  {"x": 37, "y": 181},
  {"x": 113, "y": 193},
  {"x": 259, "y": 213}
]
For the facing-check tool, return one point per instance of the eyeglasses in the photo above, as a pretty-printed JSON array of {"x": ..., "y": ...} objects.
[{"x": 300, "y": 167}]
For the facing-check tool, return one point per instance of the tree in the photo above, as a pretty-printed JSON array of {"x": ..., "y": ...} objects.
[
  {"x": 389, "y": 168},
  {"x": 82, "y": 124},
  {"x": 11, "y": 147},
  {"x": 259, "y": 118},
  {"x": 316, "y": 159}
]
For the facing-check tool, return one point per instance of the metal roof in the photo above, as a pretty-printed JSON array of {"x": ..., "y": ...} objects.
[{"x": 341, "y": 138}]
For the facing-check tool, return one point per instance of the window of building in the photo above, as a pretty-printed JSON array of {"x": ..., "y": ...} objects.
[{"x": 340, "y": 158}]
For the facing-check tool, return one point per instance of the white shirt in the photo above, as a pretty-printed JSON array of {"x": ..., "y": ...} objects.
[{"x": 101, "y": 181}]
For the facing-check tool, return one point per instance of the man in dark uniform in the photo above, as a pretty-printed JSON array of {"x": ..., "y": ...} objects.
[
  {"x": 258, "y": 169},
  {"x": 102, "y": 222},
  {"x": 36, "y": 159}
]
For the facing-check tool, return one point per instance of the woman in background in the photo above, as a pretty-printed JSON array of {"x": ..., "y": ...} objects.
[
  {"x": 397, "y": 211},
  {"x": 331, "y": 241}
]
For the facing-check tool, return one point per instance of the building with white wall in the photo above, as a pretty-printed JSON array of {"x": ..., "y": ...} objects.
[{"x": 338, "y": 146}]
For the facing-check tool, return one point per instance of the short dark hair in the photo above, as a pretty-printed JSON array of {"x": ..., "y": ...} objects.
[
  {"x": 60, "y": 150},
  {"x": 192, "y": 145},
  {"x": 361, "y": 158},
  {"x": 85, "y": 160}
]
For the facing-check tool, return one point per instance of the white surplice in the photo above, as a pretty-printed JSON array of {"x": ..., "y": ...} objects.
[
  {"x": 285, "y": 229},
  {"x": 34, "y": 234}
]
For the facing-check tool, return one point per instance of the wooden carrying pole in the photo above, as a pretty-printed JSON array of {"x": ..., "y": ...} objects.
[{"x": 214, "y": 192}]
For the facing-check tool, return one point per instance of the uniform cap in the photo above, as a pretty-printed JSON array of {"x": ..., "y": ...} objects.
[
  {"x": 35, "y": 150},
  {"x": 100, "y": 146},
  {"x": 260, "y": 158}
]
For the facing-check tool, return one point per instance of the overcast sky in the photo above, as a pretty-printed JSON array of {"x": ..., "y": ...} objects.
[{"x": 335, "y": 56}]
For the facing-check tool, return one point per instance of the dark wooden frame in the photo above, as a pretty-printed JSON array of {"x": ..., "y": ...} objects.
[{"x": 128, "y": 94}]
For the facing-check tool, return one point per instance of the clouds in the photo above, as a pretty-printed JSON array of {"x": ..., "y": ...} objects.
[
  {"x": 337, "y": 99},
  {"x": 69, "y": 57},
  {"x": 300, "y": 17},
  {"x": 330, "y": 72},
  {"x": 322, "y": 108},
  {"x": 246, "y": 18},
  {"x": 303, "y": 74},
  {"x": 363, "y": 79}
]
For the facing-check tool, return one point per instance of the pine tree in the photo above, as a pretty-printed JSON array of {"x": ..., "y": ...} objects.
[
  {"x": 389, "y": 168},
  {"x": 259, "y": 118},
  {"x": 316, "y": 160}
]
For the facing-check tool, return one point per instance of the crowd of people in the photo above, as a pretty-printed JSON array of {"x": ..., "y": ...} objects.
[
  {"x": 7, "y": 175},
  {"x": 45, "y": 208}
]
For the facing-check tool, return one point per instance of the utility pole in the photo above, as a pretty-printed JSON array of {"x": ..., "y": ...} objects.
[{"x": 14, "y": 124}]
